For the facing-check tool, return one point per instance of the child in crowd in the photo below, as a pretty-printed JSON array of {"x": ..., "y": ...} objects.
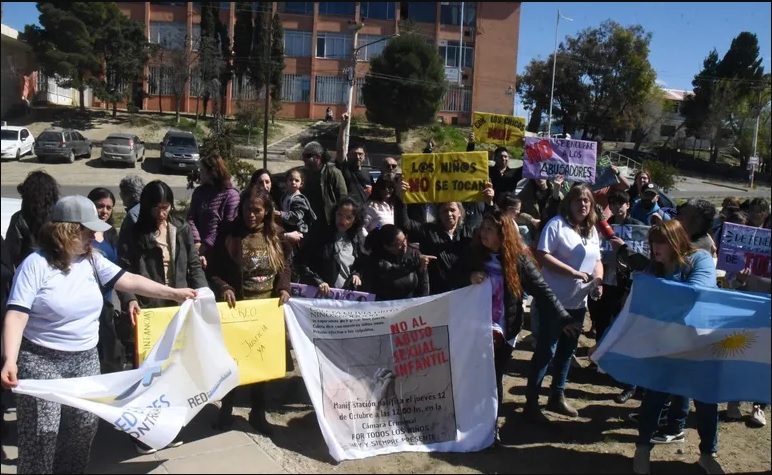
[
  {"x": 296, "y": 213},
  {"x": 526, "y": 224}
]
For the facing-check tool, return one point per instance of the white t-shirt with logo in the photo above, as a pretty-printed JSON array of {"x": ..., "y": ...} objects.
[
  {"x": 63, "y": 308},
  {"x": 581, "y": 254}
]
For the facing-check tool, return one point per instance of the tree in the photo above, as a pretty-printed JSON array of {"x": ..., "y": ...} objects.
[
  {"x": 406, "y": 84},
  {"x": 533, "y": 86},
  {"x": 209, "y": 68},
  {"x": 648, "y": 116},
  {"x": 124, "y": 50},
  {"x": 277, "y": 65},
  {"x": 720, "y": 88},
  {"x": 208, "y": 27},
  {"x": 242, "y": 38},
  {"x": 214, "y": 53},
  {"x": 64, "y": 43},
  {"x": 179, "y": 72}
]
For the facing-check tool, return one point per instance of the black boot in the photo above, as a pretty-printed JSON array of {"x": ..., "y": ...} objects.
[
  {"x": 557, "y": 403},
  {"x": 532, "y": 412},
  {"x": 257, "y": 417},
  {"x": 625, "y": 395},
  {"x": 225, "y": 415}
]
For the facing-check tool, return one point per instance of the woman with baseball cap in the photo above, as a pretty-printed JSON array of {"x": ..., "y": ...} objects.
[{"x": 51, "y": 331}]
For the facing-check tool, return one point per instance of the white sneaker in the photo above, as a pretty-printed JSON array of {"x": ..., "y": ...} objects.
[
  {"x": 733, "y": 412},
  {"x": 758, "y": 419},
  {"x": 709, "y": 463},
  {"x": 642, "y": 460}
]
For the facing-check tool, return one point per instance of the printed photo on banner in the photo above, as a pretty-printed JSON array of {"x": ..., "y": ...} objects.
[
  {"x": 444, "y": 177},
  {"x": 745, "y": 247},
  {"x": 550, "y": 157},
  {"x": 604, "y": 174},
  {"x": 498, "y": 129},
  {"x": 311, "y": 292},
  {"x": 380, "y": 375},
  {"x": 253, "y": 331},
  {"x": 637, "y": 239}
]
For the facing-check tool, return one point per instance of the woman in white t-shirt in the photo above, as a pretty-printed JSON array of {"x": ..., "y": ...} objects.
[
  {"x": 569, "y": 250},
  {"x": 52, "y": 328}
]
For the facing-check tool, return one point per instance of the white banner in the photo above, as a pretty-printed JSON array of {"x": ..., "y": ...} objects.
[
  {"x": 408, "y": 375},
  {"x": 187, "y": 368}
]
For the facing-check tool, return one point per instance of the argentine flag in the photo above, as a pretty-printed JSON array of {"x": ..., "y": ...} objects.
[{"x": 709, "y": 344}]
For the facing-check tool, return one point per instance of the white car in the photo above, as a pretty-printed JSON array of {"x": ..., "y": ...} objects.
[
  {"x": 16, "y": 142},
  {"x": 8, "y": 206}
]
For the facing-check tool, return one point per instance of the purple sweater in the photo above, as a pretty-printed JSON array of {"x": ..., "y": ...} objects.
[{"x": 209, "y": 209}]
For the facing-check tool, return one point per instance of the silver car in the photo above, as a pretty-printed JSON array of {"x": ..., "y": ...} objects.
[{"x": 123, "y": 148}]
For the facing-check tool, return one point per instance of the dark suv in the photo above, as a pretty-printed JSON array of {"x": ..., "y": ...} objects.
[
  {"x": 179, "y": 151},
  {"x": 61, "y": 144}
]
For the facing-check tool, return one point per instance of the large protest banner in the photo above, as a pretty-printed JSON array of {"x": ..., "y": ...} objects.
[
  {"x": 443, "y": 177},
  {"x": 744, "y": 247},
  {"x": 550, "y": 157},
  {"x": 637, "y": 239},
  {"x": 254, "y": 335},
  {"x": 187, "y": 368},
  {"x": 498, "y": 129},
  {"x": 311, "y": 292},
  {"x": 408, "y": 375}
]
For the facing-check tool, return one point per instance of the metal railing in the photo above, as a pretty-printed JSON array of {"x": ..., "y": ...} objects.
[{"x": 618, "y": 159}]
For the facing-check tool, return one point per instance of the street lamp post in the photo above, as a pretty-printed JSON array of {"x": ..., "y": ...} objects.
[
  {"x": 554, "y": 64},
  {"x": 351, "y": 76}
]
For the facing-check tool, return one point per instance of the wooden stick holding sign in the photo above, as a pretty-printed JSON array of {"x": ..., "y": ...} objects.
[{"x": 445, "y": 177}]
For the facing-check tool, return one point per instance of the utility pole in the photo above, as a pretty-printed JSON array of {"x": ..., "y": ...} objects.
[
  {"x": 268, "y": 38},
  {"x": 351, "y": 76},
  {"x": 554, "y": 64}
]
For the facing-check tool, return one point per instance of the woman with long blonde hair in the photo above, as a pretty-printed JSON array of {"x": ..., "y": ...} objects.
[
  {"x": 569, "y": 250},
  {"x": 498, "y": 253},
  {"x": 675, "y": 257},
  {"x": 249, "y": 261}
]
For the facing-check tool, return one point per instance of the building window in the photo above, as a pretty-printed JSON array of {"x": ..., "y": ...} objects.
[
  {"x": 159, "y": 81},
  {"x": 196, "y": 82},
  {"x": 243, "y": 89},
  {"x": 449, "y": 52},
  {"x": 168, "y": 35},
  {"x": 298, "y": 8},
  {"x": 372, "y": 49},
  {"x": 457, "y": 99},
  {"x": 195, "y": 37},
  {"x": 667, "y": 130},
  {"x": 418, "y": 12},
  {"x": 450, "y": 13},
  {"x": 330, "y": 90},
  {"x": 333, "y": 45},
  {"x": 360, "y": 99},
  {"x": 297, "y": 44},
  {"x": 336, "y": 8},
  {"x": 221, "y": 5},
  {"x": 296, "y": 88},
  {"x": 377, "y": 10}
]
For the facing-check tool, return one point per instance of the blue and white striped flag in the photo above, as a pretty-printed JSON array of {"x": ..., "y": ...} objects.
[{"x": 709, "y": 344}]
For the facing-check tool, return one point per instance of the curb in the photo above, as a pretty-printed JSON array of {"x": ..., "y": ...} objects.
[{"x": 726, "y": 186}]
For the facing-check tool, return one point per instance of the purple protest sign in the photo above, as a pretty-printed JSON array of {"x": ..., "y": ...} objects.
[
  {"x": 311, "y": 292},
  {"x": 548, "y": 158},
  {"x": 744, "y": 247}
]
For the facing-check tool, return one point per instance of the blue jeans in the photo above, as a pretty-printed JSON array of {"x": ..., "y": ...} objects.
[
  {"x": 553, "y": 345},
  {"x": 651, "y": 407}
]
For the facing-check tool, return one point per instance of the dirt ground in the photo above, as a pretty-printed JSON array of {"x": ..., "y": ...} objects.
[{"x": 600, "y": 440}]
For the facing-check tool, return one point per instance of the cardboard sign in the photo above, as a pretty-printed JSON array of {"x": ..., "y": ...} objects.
[
  {"x": 444, "y": 177},
  {"x": 498, "y": 129},
  {"x": 548, "y": 158}
]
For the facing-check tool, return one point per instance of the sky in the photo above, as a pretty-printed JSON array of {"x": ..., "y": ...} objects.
[{"x": 682, "y": 33}]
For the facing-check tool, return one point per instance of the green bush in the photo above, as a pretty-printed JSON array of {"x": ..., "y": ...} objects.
[
  {"x": 448, "y": 138},
  {"x": 223, "y": 144},
  {"x": 661, "y": 174}
]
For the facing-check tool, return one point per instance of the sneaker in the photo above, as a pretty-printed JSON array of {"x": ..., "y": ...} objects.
[
  {"x": 660, "y": 437},
  {"x": 624, "y": 396},
  {"x": 143, "y": 448},
  {"x": 709, "y": 463},
  {"x": 758, "y": 419},
  {"x": 642, "y": 460},
  {"x": 733, "y": 412}
]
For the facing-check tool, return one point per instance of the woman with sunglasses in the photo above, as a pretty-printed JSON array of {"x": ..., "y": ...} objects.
[
  {"x": 569, "y": 250},
  {"x": 498, "y": 253}
]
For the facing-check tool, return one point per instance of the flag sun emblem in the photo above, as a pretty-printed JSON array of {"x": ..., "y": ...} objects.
[{"x": 734, "y": 344}]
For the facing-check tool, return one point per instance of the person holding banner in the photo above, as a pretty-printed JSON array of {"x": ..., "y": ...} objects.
[
  {"x": 498, "y": 253},
  {"x": 332, "y": 256},
  {"x": 569, "y": 249},
  {"x": 675, "y": 257},
  {"x": 250, "y": 261},
  {"x": 51, "y": 331},
  {"x": 641, "y": 179}
]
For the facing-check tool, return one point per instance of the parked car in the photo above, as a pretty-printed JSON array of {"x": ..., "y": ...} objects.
[
  {"x": 179, "y": 151},
  {"x": 56, "y": 143},
  {"x": 16, "y": 142},
  {"x": 123, "y": 148}
]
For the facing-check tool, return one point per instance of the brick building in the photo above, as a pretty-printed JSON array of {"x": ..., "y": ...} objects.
[{"x": 318, "y": 42}]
